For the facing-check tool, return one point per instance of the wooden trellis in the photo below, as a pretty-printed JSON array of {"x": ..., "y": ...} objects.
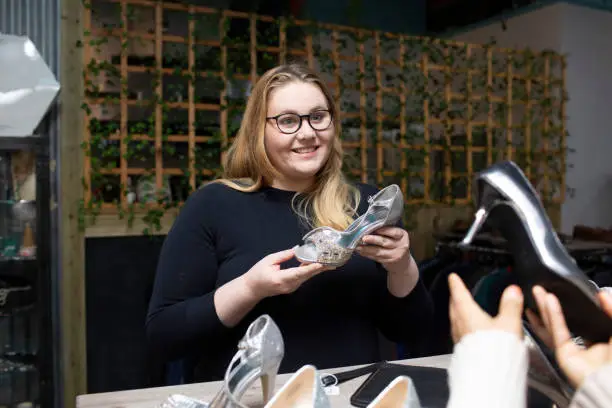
[{"x": 425, "y": 113}]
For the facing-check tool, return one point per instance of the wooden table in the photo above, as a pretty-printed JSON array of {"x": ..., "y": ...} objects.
[{"x": 153, "y": 397}]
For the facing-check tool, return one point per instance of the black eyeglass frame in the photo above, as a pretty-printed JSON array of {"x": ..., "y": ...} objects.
[{"x": 331, "y": 120}]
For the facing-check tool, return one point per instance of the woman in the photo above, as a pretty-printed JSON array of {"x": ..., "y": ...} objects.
[
  {"x": 490, "y": 361},
  {"x": 229, "y": 256}
]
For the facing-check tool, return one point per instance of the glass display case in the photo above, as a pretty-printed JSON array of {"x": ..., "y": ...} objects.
[
  {"x": 27, "y": 338},
  {"x": 25, "y": 318}
]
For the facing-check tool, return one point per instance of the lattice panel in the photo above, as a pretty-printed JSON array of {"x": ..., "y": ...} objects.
[{"x": 166, "y": 85}]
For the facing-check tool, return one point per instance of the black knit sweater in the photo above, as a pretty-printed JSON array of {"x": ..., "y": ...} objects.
[{"x": 330, "y": 321}]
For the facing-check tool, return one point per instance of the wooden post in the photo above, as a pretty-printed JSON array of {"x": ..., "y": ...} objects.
[
  {"x": 379, "y": 110},
  {"x": 469, "y": 149},
  {"x": 426, "y": 134},
  {"x": 489, "y": 99},
  {"x": 73, "y": 349},
  {"x": 159, "y": 165},
  {"x": 402, "y": 96},
  {"x": 123, "y": 98},
  {"x": 191, "y": 101},
  {"x": 509, "y": 106},
  {"x": 528, "y": 112},
  {"x": 448, "y": 126},
  {"x": 362, "y": 110},
  {"x": 563, "y": 136}
]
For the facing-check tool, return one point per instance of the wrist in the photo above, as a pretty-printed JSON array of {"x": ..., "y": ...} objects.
[
  {"x": 248, "y": 290},
  {"x": 400, "y": 267},
  {"x": 402, "y": 277}
]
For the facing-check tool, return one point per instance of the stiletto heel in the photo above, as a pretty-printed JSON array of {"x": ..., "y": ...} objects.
[
  {"x": 303, "y": 390},
  {"x": 268, "y": 384},
  {"x": 400, "y": 393},
  {"x": 331, "y": 247},
  {"x": 507, "y": 200},
  {"x": 259, "y": 355},
  {"x": 487, "y": 199},
  {"x": 479, "y": 219}
]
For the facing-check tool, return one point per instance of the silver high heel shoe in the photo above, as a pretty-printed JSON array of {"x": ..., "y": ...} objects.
[
  {"x": 400, "y": 393},
  {"x": 507, "y": 200},
  {"x": 543, "y": 376},
  {"x": 304, "y": 389},
  {"x": 259, "y": 355},
  {"x": 331, "y": 247}
]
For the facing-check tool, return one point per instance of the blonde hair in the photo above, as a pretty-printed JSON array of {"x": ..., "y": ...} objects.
[{"x": 331, "y": 201}]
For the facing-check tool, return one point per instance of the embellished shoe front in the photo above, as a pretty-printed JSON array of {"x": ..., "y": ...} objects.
[
  {"x": 321, "y": 246},
  {"x": 328, "y": 246}
]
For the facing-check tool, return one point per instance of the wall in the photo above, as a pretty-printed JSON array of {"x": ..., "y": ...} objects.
[
  {"x": 386, "y": 15},
  {"x": 582, "y": 34},
  {"x": 586, "y": 40},
  {"x": 538, "y": 29}
]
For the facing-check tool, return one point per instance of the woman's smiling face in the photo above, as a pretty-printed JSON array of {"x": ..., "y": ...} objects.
[{"x": 300, "y": 155}]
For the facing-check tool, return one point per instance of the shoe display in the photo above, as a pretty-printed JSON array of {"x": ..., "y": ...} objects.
[
  {"x": 15, "y": 294},
  {"x": 302, "y": 390},
  {"x": 506, "y": 199},
  {"x": 331, "y": 247},
  {"x": 259, "y": 355},
  {"x": 400, "y": 393}
]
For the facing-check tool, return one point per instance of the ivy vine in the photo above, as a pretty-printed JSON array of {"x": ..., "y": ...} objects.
[{"x": 462, "y": 106}]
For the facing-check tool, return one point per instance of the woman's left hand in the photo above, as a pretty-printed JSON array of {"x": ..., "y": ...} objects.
[{"x": 390, "y": 246}]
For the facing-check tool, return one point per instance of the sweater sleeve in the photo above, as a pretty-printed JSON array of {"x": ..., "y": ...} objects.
[
  {"x": 406, "y": 319},
  {"x": 596, "y": 391},
  {"x": 182, "y": 313},
  {"x": 488, "y": 369}
]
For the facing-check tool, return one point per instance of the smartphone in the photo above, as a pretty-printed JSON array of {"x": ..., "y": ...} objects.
[{"x": 431, "y": 384}]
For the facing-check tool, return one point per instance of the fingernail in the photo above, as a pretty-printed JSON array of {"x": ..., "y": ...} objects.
[{"x": 514, "y": 291}]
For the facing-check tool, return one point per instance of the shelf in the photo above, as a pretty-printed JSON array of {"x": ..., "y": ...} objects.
[
  {"x": 18, "y": 267},
  {"x": 26, "y": 359},
  {"x": 17, "y": 293},
  {"x": 8, "y": 143}
]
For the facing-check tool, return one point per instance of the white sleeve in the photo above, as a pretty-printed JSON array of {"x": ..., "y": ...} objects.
[{"x": 489, "y": 369}]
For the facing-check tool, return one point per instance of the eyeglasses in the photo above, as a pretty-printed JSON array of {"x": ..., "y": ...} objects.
[{"x": 289, "y": 123}]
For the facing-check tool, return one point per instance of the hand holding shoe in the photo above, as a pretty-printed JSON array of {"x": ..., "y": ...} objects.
[
  {"x": 467, "y": 317},
  {"x": 390, "y": 246},
  {"x": 576, "y": 362},
  {"x": 266, "y": 278}
]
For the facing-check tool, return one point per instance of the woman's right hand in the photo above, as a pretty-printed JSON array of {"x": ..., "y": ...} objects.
[
  {"x": 266, "y": 278},
  {"x": 576, "y": 362},
  {"x": 467, "y": 316}
]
